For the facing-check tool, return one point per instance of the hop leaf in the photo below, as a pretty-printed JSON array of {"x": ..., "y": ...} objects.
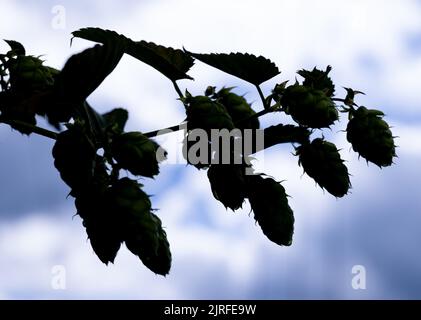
[
  {"x": 371, "y": 137},
  {"x": 248, "y": 67},
  {"x": 173, "y": 63},
  {"x": 228, "y": 185},
  {"x": 309, "y": 107},
  {"x": 81, "y": 75},
  {"x": 85, "y": 71},
  {"x": 322, "y": 162},
  {"x": 136, "y": 153},
  {"x": 238, "y": 109},
  {"x": 271, "y": 210}
]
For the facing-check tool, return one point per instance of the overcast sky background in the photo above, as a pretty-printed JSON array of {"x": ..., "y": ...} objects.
[{"x": 373, "y": 45}]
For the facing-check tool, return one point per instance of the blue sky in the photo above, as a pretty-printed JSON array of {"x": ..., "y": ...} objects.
[{"x": 373, "y": 45}]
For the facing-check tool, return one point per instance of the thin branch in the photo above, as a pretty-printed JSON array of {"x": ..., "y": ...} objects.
[
  {"x": 34, "y": 129},
  {"x": 259, "y": 90},
  {"x": 177, "y": 88},
  {"x": 345, "y": 101},
  {"x": 163, "y": 131}
]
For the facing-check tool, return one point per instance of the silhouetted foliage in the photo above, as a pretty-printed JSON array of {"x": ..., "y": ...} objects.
[{"x": 115, "y": 209}]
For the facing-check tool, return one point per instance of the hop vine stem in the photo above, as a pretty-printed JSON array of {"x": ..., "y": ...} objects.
[
  {"x": 344, "y": 101},
  {"x": 34, "y": 129},
  {"x": 177, "y": 88},
  {"x": 163, "y": 131},
  {"x": 262, "y": 97}
]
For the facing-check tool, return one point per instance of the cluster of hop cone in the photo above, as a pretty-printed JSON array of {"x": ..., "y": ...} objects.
[
  {"x": 312, "y": 107},
  {"x": 116, "y": 210}
]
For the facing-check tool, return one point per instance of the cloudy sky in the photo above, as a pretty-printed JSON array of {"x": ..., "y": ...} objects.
[{"x": 373, "y": 45}]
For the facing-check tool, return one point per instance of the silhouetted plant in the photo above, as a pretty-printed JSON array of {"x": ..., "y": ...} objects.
[{"x": 116, "y": 210}]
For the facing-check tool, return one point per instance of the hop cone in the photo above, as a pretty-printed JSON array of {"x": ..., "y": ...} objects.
[
  {"x": 28, "y": 73},
  {"x": 318, "y": 79},
  {"x": 74, "y": 157},
  {"x": 203, "y": 113},
  {"x": 309, "y": 107},
  {"x": 271, "y": 210},
  {"x": 206, "y": 114},
  {"x": 141, "y": 229},
  {"x": 136, "y": 153},
  {"x": 371, "y": 137},
  {"x": 238, "y": 109},
  {"x": 201, "y": 161},
  {"x": 322, "y": 162},
  {"x": 228, "y": 185}
]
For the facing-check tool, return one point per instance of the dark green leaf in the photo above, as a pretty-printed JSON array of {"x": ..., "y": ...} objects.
[
  {"x": 173, "y": 63},
  {"x": 81, "y": 75},
  {"x": 99, "y": 35},
  {"x": 248, "y": 67},
  {"x": 85, "y": 71}
]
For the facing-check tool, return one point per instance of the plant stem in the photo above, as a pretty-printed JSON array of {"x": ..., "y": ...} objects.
[
  {"x": 344, "y": 101},
  {"x": 34, "y": 129},
  {"x": 160, "y": 132},
  {"x": 177, "y": 88},
  {"x": 262, "y": 97}
]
